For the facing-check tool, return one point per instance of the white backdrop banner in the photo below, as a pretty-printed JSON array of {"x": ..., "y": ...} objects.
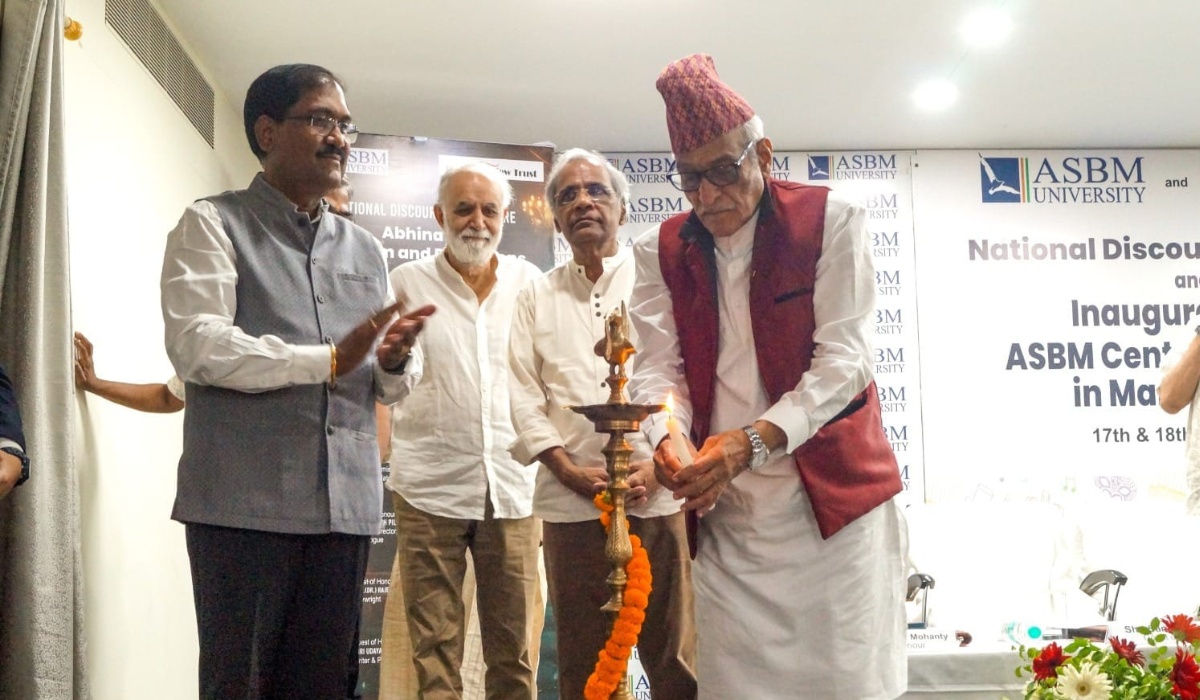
[{"x": 1051, "y": 286}]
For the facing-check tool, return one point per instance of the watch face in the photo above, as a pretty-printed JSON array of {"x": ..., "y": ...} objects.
[{"x": 758, "y": 449}]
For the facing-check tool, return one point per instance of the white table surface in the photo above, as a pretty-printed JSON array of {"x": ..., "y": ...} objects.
[{"x": 976, "y": 672}]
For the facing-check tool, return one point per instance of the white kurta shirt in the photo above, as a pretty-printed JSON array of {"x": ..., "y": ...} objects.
[
  {"x": 558, "y": 321},
  {"x": 780, "y": 612},
  {"x": 450, "y": 437}
]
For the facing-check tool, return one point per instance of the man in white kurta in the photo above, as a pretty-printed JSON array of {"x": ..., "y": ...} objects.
[
  {"x": 781, "y": 612},
  {"x": 554, "y": 366},
  {"x": 456, "y": 486}
]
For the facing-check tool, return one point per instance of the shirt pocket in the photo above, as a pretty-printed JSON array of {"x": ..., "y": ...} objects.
[{"x": 792, "y": 294}]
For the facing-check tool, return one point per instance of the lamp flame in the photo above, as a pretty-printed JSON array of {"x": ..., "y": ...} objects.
[{"x": 670, "y": 402}]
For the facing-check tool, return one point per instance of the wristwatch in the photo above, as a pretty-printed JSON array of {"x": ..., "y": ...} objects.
[
  {"x": 24, "y": 463},
  {"x": 758, "y": 449}
]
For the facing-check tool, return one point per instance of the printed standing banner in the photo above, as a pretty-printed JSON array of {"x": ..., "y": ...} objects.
[
  {"x": 395, "y": 180},
  {"x": 881, "y": 182},
  {"x": 1052, "y": 285}
]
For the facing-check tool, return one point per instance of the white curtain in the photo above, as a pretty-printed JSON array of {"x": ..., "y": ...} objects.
[{"x": 42, "y": 649}]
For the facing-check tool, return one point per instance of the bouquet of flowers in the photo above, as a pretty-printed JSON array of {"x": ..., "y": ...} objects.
[{"x": 1117, "y": 669}]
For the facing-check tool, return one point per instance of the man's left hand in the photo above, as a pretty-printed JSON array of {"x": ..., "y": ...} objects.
[
  {"x": 722, "y": 457},
  {"x": 642, "y": 483},
  {"x": 10, "y": 472},
  {"x": 400, "y": 336}
]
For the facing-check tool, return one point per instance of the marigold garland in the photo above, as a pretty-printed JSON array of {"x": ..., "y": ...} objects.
[{"x": 614, "y": 657}]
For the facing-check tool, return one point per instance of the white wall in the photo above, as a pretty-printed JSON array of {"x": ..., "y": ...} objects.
[{"x": 133, "y": 163}]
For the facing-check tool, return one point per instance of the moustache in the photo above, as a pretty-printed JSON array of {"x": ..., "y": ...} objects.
[
  {"x": 475, "y": 233},
  {"x": 340, "y": 153}
]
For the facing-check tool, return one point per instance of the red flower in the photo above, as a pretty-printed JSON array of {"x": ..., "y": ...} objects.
[
  {"x": 1127, "y": 650},
  {"x": 1047, "y": 663},
  {"x": 1183, "y": 627},
  {"x": 1185, "y": 677}
]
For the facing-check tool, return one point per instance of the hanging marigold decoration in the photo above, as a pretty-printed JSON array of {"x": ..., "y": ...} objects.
[{"x": 614, "y": 657}]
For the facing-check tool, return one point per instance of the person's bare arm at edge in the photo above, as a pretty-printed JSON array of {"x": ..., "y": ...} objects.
[
  {"x": 149, "y": 398},
  {"x": 1178, "y": 385}
]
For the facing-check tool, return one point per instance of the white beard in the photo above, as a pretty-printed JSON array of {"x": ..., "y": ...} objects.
[{"x": 472, "y": 252}]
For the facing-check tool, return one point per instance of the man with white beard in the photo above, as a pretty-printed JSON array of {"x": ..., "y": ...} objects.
[{"x": 456, "y": 486}]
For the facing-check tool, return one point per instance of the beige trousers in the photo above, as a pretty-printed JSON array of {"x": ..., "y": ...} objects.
[{"x": 397, "y": 674}]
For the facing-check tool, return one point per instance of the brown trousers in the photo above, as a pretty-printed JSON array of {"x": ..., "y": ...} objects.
[
  {"x": 432, "y": 551},
  {"x": 576, "y": 569},
  {"x": 398, "y": 677}
]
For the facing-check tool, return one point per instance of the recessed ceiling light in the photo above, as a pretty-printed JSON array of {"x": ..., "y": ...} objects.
[
  {"x": 986, "y": 27},
  {"x": 935, "y": 95}
]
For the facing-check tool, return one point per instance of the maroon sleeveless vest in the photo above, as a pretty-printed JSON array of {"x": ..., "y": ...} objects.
[{"x": 848, "y": 467}]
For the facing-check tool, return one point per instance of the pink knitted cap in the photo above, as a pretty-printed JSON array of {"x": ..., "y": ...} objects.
[{"x": 699, "y": 106}]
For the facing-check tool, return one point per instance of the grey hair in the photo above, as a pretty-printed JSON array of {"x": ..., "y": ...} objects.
[
  {"x": 491, "y": 172},
  {"x": 753, "y": 129},
  {"x": 616, "y": 177}
]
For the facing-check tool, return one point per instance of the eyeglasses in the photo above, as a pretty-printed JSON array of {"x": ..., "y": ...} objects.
[
  {"x": 719, "y": 175},
  {"x": 595, "y": 191},
  {"x": 324, "y": 125}
]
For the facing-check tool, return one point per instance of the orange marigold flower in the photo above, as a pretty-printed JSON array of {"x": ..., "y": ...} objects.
[
  {"x": 613, "y": 659},
  {"x": 1128, "y": 650},
  {"x": 1183, "y": 627},
  {"x": 631, "y": 623},
  {"x": 1047, "y": 663},
  {"x": 1185, "y": 677},
  {"x": 637, "y": 598}
]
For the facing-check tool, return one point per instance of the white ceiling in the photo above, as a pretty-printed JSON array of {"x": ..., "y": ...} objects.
[{"x": 823, "y": 74}]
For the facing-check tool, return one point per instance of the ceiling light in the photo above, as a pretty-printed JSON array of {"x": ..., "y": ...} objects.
[
  {"x": 935, "y": 95},
  {"x": 986, "y": 27}
]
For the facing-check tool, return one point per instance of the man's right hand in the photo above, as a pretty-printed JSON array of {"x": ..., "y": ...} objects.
[
  {"x": 667, "y": 464},
  {"x": 585, "y": 481}
]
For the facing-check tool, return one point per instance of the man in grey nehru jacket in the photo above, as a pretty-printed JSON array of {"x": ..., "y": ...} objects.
[{"x": 280, "y": 320}]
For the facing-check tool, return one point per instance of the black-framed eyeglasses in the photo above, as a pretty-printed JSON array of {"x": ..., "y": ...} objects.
[
  {"x": 719, "y": 175},
  {"x": 324, "y": 125},
  {"x": 595, "y": 191}
]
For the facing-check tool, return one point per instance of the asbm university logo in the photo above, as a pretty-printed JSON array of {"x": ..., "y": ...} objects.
[
  {"x": 1004, "y": 179},
  {"x": 852, "y": 166},
  {"x": 368, "y": 161},
  {"x": 818, "y": 167},
  {"x": 1069, "y": 180}
]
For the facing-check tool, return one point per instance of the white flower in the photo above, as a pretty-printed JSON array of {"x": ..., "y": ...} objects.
[{"x": 1083, "y": 683}]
